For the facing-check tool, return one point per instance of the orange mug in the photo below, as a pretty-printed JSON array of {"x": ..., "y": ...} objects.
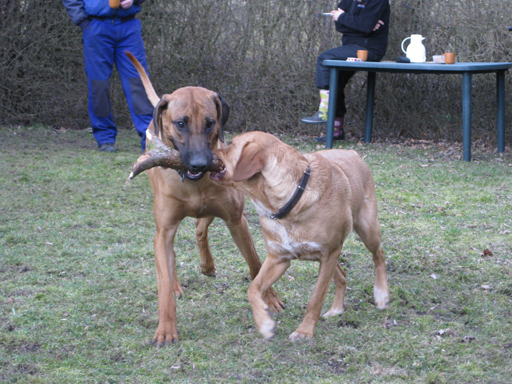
[
  {"x": 114, "y": 3},
  {"x": 362, "y": 54},
  {"x": 449, "y": 58}
]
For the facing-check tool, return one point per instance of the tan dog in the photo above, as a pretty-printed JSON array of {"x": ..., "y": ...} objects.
[
  {"x": 191, "y": 120},
  {"x": 339, "y": 197}
]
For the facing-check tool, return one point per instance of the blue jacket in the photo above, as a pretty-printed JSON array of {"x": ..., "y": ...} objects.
[{"x": 80, "y": 10}]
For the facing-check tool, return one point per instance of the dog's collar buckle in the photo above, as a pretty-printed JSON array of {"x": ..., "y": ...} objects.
[{"x": 295, "y": 198}]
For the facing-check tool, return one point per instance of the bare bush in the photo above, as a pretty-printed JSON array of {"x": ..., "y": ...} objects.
[{"x": 260, "y": 56}]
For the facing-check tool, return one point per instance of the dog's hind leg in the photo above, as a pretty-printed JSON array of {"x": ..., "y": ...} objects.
[
  {"x": 368, "y": 229},
  {"x": 340, "y": 282},
  {"x": 207, "y": 264},
  {"x": 243, "y": 240}
]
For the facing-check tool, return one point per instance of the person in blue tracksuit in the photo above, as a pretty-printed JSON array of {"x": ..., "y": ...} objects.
[
  {"x": 365, "y": 26},
  {"x": 107, "y": 33}
]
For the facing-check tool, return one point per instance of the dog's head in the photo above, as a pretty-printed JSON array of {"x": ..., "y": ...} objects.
[
  {"x": 192, "y": 120},
  {"x": 244, "y": 159}
]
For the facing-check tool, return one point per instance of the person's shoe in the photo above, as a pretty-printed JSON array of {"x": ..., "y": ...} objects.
[
  {"x": 323, "y": 139},
  {"x": 339, "y": 134},
  {"x": 317, "y": 118},
  {"x": 107, "y": 147}
]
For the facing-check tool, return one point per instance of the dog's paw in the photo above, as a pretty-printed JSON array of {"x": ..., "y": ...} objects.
[
  {"x": 176, "y": 289},
  {"x": 165, "y": 334},
  {"x": 381, "y": 297},
  {"x": 297, "y": 335},
  {"x": 272, "y": 300},
  {"x": 268, "y": 329},
  {"x": 210, "y": 272},
  {"x": 332, "y": 312}
]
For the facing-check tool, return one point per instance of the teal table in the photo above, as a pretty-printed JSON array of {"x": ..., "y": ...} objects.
[{"x": 464, "y": 69}]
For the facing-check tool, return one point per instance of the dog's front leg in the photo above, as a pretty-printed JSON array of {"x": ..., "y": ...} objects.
[
  {"x": 271, "y": 270},
  {"x": 243, "y": 240},
  {"x": 165, "y": 264},
  {"x": 325, "y": 276}
]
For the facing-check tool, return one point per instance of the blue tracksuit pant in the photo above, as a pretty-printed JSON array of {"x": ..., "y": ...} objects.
[{"x": 104, "y": 44}]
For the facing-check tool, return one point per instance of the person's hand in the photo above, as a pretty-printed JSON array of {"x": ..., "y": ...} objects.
[
  {"x": 336, "y": 14},
  {"x": 378, "y": 25},
  {"x": 125, "y": 4}
]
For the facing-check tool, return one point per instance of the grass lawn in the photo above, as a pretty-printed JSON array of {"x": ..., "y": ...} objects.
[{"x": 78, "y": 301}]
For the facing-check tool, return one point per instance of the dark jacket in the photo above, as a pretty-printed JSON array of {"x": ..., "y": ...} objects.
[
  {"x": 358, "y": 21},
  {"x": 80, "y": 11}
]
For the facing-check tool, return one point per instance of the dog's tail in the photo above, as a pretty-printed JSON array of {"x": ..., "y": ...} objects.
[{"x": 150, "y": 91}]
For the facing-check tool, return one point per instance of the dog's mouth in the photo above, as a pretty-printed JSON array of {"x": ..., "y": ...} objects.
[
  {"x": 217, "y": 176},
  {"x": 192, "y": 176}
]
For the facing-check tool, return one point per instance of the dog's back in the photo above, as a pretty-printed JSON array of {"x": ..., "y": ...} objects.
[{"x": 350, "y": 164}]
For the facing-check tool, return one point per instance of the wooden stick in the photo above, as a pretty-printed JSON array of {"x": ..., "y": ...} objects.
[{"x": 160, "y": 155}]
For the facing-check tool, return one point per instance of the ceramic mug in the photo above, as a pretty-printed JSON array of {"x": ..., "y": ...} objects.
[
  {"x": 362, "y": 54},
  {"x": 449, "y": 58}
]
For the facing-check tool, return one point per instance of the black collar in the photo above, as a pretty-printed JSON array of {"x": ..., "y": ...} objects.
[{"x": 295, "y": 198}]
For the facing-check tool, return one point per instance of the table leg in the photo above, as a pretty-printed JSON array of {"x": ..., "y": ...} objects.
[
  {"x": 370, "y": 96},
  {"x": 500, "y": 87},
  {"x": 466, "y": 116},
  {"x": 331, "y": 113}
]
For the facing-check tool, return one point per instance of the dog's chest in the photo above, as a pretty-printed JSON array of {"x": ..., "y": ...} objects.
[{"x": 281, "y": 242}]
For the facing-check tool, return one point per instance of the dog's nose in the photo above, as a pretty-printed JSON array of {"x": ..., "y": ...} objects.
[{"x": 199, "y": 163}]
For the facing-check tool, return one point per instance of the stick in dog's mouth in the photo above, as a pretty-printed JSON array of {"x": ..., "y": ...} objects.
[{"x": 160, "y": 155}]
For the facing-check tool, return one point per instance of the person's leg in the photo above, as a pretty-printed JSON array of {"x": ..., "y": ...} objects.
[
  {"x": 140, "y": 107},
  {"x": 322, "y": 82},
  {"x": 99, "y": 58},
  {"x": 343, "y": 79}
]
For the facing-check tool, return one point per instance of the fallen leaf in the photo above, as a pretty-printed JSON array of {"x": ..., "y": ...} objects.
[
  {"x": 467, "y": 339},
  {"x": 487, "y": 253},
  {"x": 389, "y": 323},
  {"x": 448, "y": 331}
]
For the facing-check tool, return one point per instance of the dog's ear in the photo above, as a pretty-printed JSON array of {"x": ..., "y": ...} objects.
[
  {"x": 250, "y": 162},
  {"x": 223, "y": 113},
  {"x": 157, "y": 115}
]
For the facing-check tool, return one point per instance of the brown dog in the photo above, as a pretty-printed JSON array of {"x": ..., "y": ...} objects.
[
  {"x": 336, "y": 195},
  {"x": 191, "y": 120}
]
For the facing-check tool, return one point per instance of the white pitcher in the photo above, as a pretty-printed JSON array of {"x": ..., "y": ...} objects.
[{"x": 415, "y": 50}]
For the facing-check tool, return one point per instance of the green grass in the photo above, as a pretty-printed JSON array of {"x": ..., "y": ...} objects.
[{"x": 78, "y": 300}]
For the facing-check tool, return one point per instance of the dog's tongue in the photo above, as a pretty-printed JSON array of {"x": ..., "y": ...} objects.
[{"x": 217, "y": 176}]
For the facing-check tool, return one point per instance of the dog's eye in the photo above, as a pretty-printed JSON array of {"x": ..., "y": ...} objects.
[
  {"x": 180, "y": 124},
  {"x": 210, "y": 125}
]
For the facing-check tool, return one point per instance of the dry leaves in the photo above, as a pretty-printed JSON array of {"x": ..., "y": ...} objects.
[
  {"x": 486, "y": 253},
  {"x": 389, "y": 323}
]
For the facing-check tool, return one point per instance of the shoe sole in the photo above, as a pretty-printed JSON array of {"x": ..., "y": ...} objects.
[
  {"x": 313, "y": 122},
  {"x": 323, "y": 139}
]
